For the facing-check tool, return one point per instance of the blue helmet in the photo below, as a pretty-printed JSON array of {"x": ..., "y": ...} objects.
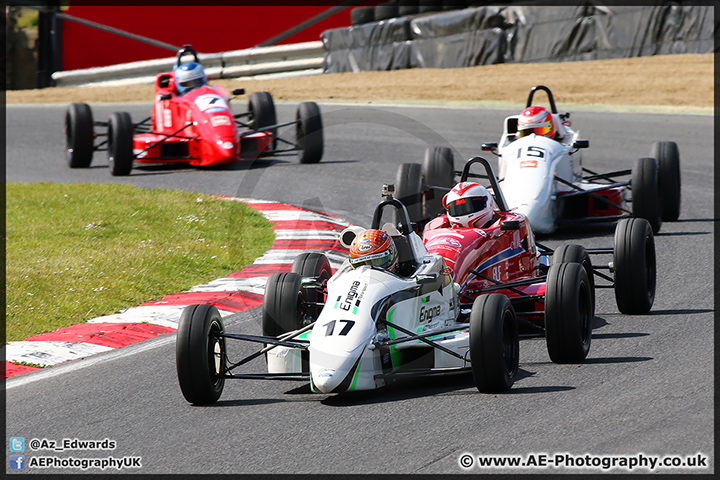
[{"x": 188, "y": 76}]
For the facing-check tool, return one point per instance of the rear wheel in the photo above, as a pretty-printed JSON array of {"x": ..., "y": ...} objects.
[
  {"x": 408, "y": 185},
  {"x": 645, "y": 199},
  {"x": 200, "y": 354},
  {"x": 262, "y": 113},
  {"x": 282, "y": 304},
  {"x": 668, "y": 160},
  {"x": 309, "y": 132},
  {"x": 634, "y": 264},
  {"x": 569, "y": 312},
  {"x": 120, "y": 144},
  {"x": 494, "y": 343},
  {"x": 438, "y": 171},
  {"x": 79, "y": 135},
  {"x": 312, "y": 265}
]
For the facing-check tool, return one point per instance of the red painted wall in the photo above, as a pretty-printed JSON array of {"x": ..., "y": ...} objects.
[{"x": 208, "y": 29}]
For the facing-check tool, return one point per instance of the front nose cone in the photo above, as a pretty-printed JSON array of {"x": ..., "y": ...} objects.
[{"x": 325, "y": 380}]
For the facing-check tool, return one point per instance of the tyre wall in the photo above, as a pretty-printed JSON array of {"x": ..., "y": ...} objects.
[{"x": 519, "y": 34}]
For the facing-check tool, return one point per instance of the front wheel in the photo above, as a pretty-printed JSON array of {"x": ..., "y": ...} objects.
[
  {"x": 494, "y": 343},
  {"x": 634, "y": 265},
  {"x": 309, "y": 132},
  {"x": 262, "y": 113},
  {"x": 282, "y": 304},
  {"x": 578, "y": 254},
  {"x": 79, "y": 135},
  {"x": 312, "y": 264},
  {"x": 120, "y": 144},
  {"x": 569, "y": 312},
  {"x": 200, "y": 354}
]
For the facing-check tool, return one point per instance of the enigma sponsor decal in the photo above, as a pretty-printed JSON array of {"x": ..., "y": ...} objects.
[
  {"x": 428, "y": 313},
  {"x": 352, "y": 299}
]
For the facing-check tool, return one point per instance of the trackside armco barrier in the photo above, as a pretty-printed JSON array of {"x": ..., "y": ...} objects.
[{"x": 297, "y": 59}]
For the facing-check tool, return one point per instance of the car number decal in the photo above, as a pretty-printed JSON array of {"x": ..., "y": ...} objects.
[
  {"x": 206, "y": 102},
  {"x": 330, "y": 327},
  {"x": 531, "y": 151}
]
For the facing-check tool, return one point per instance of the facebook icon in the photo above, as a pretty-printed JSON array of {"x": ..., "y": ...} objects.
[{"x": 17, "y": 462}]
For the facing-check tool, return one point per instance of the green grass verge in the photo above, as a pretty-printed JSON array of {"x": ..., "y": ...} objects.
[{"x": 79, "y": 251}]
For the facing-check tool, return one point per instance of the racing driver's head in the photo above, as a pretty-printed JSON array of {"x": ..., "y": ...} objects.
[
  {"x": 374, "y": 247},
  {"x": 469, "y": 204},
  {"x": 189, "y": 76},
  {"x": 537, "y": 120}
]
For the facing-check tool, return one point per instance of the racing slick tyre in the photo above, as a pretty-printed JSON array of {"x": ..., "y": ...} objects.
[
  {"x": 309, "y": 132},
  {"x": 408, "y": 185},
  {"x": 120, "y": 144},
  {"x": 634, "y": 266},
  {"x": 312, "y": 264},
  {"x": 438, "y": 171},
  {"x": 645, "y": 198},
  {"x": 494, "y": 343},
  {"x": 282, "y": 304},
  {"x": 668, "y": 160},
  {"x": 200, "y": 356},
  {"x": 578, "y": 254},
  {"x": 569, "y": 312},
  {"x": 79, "y": 135},
  {"x": 262, "y": 113}
]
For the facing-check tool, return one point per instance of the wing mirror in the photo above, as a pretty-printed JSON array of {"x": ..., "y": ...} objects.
[
  {"x": 426, "y": 279},
  {"x": 488, "y": 147},
  {"x": 581, "y": 144},
  {"x": 166, "y": 96},
  {"x": 509, "y": 225},
  {"x": 238, "y": 91}
]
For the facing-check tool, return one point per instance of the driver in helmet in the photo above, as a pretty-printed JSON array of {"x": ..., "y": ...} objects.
[
  {"x": 189, "y": 76},
  {"x": 469, "y": 204},
  {"x": 374, "y": 247},
  {"x": 537, "y": 120}
]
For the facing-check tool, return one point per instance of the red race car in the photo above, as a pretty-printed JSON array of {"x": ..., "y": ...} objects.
[
  {"x": 498, "y": 254},
  {"x": 191, "y": 122}
]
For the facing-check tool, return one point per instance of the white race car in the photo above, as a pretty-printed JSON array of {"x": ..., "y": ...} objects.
[
  {"x": 544, "y": 178},
  {"x": 359, "y": 328}
]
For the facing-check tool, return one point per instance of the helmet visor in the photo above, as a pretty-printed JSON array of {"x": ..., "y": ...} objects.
[
  {"x": 543, "y": 131},
  {"x": 466, "y": 206},
  {"x": 381, "y": 259},
  {"x": 192, "y": 83}
]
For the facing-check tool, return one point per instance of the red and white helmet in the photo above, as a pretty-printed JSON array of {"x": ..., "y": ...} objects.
[
  {"x": 537, "y": 120},
  {"x": 469, "y": 204},
  {"x": 374, "y": 247}
]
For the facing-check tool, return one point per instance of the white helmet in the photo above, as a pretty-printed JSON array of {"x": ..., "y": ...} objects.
[{"x": 469, "y": 204}]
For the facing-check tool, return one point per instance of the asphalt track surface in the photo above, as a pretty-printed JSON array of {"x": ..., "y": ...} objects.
[{"x": 646, "y": 388}]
